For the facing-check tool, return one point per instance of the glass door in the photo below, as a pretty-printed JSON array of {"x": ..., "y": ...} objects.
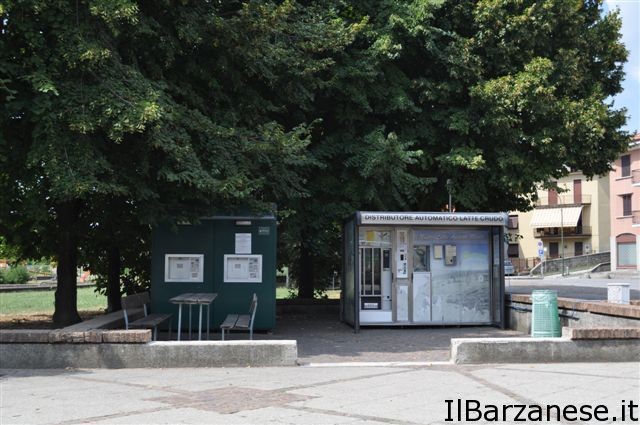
[
  {"x": 375, "y": 275},
  {"x": 370, "y": 278}
]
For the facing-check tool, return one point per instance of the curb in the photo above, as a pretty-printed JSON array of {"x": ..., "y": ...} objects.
[{"x": 162, "y": 354}]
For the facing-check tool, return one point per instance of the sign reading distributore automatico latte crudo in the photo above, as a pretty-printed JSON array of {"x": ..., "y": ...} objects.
[{"x": 433, "y": 218}]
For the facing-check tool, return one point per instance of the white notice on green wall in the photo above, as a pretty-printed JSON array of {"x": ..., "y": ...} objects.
[
  {"x": 243, "y": 268},
  {"x": 243, "y": 243},
  {"x": 183, "y": 267}
]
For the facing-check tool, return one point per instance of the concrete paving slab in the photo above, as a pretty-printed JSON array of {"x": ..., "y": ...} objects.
[
  {"x": 329, "y": 395},
  {"x": 270, "y": 377},
  {"x": 69, "y": 400}
]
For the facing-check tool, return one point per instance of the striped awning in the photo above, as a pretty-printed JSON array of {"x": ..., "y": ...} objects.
[{"x": 556, "y": 217}]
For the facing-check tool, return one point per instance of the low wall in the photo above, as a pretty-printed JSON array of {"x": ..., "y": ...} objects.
[
  {"x": 37, "y": 286},
  {"x": 542, "y": 350},
  {"x": 92, "y": 336},
  {"x": 164, "y": 354},
  {"x": 573, "y": 314},
  {"x": 581, "y": 262}
]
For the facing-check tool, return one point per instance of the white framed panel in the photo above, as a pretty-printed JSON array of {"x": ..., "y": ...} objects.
[
  {"x": 184, "y": 268},
  {"x": 243, "y": 268},
  {"x": 376, "y": 316},
  {"x": 402, "y": 302},
  {"x": 421, "y": 297}
]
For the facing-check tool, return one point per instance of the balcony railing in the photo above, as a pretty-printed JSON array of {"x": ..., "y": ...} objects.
[
  {"x": 554, "y": 232},
  {"x": 635, "y": 177},
  {"x": 635, "y": 217},
  {"x": 567, "y": 199}
]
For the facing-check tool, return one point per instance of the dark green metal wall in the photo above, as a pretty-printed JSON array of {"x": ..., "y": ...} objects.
[{"x": 214, "y": 238}]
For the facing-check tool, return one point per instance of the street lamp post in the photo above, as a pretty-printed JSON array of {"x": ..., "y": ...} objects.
[
  {"x": 562, "y": 236},
  {"x": 449, "y": 186}
]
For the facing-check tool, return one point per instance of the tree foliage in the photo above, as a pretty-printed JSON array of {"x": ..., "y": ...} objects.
[
  {"x": 148, "y": 111},
  {"x": 119, "y": 114},
  {"x": 496, "y": 95}
]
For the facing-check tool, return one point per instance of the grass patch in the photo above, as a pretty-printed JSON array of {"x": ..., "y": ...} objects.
[
  {"x": 42, "y": 302},
  {"x": 284, "y": 293}
]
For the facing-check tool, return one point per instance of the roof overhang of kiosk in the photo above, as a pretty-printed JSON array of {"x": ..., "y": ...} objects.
[
  {"x": 556, "y": 217},
  {"x": 431, "y": 218}
]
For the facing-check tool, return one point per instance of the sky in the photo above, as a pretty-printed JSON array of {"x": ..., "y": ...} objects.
[{"x": 630, "y": 97}]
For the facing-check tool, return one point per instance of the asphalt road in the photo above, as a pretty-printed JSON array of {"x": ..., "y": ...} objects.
[{"x": 578, "y": 287}]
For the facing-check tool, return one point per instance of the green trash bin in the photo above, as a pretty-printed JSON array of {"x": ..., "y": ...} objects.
[{"x": 545, "y": 321}]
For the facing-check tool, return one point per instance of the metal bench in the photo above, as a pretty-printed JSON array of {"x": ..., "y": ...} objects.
[
  {"x": 241, "y": 321},
  {"x": 149, "y": 321}
]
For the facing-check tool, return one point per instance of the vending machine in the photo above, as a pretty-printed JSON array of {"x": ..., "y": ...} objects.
[{"x": 423, "y": 269}]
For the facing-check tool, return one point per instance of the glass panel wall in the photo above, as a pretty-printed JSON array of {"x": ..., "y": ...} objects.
[
  {"x": 375, "y": 271},
  {"x": 460, "y": 275},
  {"x": 374, "y": 238}
]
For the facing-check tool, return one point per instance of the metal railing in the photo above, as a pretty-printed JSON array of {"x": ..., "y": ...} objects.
[
  {"x": 567, "y": 231},
  {"x": 567, "y": 199},
  {"x": 572, "y": 262},
  {"x": 524, "y": 264}
]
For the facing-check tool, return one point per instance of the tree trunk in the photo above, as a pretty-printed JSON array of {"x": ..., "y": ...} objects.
[
  {"x": 113, "y": 279},
  {"x": 66, "y": 296},
  {"x": 306, "y": 278}
]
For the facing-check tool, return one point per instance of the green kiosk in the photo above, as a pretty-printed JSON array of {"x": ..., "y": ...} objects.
[{"x": 231, "y": 256}]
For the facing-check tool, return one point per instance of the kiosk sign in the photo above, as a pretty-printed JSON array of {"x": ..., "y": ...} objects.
[{"x": 412, "y": 218}]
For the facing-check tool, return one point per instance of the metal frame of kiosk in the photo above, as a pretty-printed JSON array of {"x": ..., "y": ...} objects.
[{"x": 423, "y": 268}]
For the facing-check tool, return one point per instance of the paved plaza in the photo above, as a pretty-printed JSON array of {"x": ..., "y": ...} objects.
[
  {"x": 323, "y": 338},
  {"x": 303, "y": 395}
]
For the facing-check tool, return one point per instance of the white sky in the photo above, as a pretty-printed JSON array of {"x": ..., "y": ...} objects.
[{"x": 630, "y": 98}]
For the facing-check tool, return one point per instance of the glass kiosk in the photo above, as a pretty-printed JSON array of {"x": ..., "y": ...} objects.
[{"x": 421, "y": 268}]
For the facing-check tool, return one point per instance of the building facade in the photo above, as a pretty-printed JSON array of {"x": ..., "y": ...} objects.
[
  {"x": 570, "y": 221},
  {"x": 625, "y": 208}
]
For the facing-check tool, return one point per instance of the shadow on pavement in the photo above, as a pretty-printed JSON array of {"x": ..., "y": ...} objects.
[{"x": 323, "y": 338}]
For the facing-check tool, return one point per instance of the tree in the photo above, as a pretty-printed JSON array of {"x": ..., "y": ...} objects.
[
  {"x": 151, "y": 111},
  {"x": 495, "y": 95}
]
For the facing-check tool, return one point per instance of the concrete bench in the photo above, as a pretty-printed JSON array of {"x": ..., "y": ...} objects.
[
  {"x": 241, "y": 321},
  {"x": 149, "y": 321}
]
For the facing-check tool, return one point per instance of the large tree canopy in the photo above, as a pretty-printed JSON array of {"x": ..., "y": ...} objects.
[
  {"x": 496, "y": 95},
  {"x": 117, "y": 114},
  {"x": 120, "y": 113}
]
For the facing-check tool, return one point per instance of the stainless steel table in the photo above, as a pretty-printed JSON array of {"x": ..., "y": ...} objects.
[{"x": 200, "y": 299}]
